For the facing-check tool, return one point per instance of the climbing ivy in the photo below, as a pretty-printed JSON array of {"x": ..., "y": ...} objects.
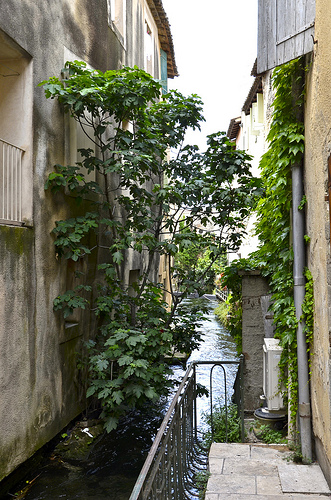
[
  {"x": 275, "y": 256},
  {"x": 308, "y": 311},
  {"x": 286, "y": 147}
]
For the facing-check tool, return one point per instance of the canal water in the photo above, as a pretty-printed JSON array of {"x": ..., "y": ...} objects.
[{"x": 109, "y": 472}]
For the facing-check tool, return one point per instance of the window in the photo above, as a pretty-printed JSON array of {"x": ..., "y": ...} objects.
[
  {"x": 77, "y": 138},
  {"x": 117, "y": 18},
  {"x": 149, "y": 49},
  {"x": 15, "y": 135}
]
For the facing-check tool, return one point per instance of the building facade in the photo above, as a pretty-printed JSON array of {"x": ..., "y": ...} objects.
[
  {"x": 40, "y": 387},
  {"x": 284, "y": 34},
  {"x": 247, "y": 131}
]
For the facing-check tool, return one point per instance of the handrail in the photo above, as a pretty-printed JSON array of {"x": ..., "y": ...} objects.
[
  {"x": 158, "y": 438},
  {"x": 179, "y": 425},
  {"x": 221, "y": 293}
]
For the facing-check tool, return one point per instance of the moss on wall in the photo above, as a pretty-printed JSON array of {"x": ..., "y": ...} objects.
[{"x": 16, "y": 240}]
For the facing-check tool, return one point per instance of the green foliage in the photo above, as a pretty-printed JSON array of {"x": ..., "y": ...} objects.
[
  {"x": 308, "y": 311},
  {"x": 302, "y": 202},
  {"x": 222, "y": 312},
  {"x": 133, "y": 210},
  {"x": 201, "y": 480},
  {"x": 197, "y": 260},
  {"x": 269, "y": 435},
  {"x": 296, "y": 455},
  {"x": 220, "y": 417},
  {"x": 275, "y": 257},
  {"x": 286, "y": 146}
]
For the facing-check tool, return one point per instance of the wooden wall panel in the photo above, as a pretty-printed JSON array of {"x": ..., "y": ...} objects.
[{"x": 285, "y": 31}]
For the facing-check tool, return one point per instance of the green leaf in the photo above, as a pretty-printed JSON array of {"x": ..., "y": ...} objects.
[
  {"x": 111, "y": 424},
  {"x": 90, "y": 391},
  {"x": 117, "y": 257}
]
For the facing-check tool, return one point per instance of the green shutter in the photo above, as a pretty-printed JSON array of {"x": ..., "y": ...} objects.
[{"x": 164, "y": 71}]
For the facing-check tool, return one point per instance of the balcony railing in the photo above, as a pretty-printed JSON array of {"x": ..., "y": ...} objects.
[{"x": 10, "y": 183}]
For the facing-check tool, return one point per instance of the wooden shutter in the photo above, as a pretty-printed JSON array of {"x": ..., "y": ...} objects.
[
  {"x": 285, "y": 31},
  {"x": 164, "y": 71}
]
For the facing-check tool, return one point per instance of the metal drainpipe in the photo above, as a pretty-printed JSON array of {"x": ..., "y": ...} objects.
[{"x": 298, "y": 220}]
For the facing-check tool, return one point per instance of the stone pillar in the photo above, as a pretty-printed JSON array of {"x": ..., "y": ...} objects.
[{"x": 254, "y": 286}]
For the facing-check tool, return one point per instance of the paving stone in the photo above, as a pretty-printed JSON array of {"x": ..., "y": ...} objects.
[
  {"x": 269, "y": 453},
  {"x": 216, "y": 465},
  {"x": 235, "y": 496},
  {"x": 268, "y": 485},
  {"x": 211, "y": 496},
  {"x": 227, "y": 450},
  {"x": 219, "y": 483},
  {"x": 251, "y": 472},
  {"x": 296, "y": 496},
  {"x": 297, "y": 478},
  {"x": 249, "y": 467}
]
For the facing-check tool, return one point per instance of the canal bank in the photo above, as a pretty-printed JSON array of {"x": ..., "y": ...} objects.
[{"x": 110, "y": 470}]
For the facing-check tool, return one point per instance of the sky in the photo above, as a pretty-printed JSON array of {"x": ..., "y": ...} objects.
[{"x": 215, "y": 45}]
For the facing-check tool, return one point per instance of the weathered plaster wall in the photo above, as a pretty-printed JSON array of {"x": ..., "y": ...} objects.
[
  {"x": 39, "y": 390},
  {"x": 39, "y": 386},
  {"x": 318, "y": 149}
]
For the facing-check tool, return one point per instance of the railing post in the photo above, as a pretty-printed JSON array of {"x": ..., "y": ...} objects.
[{"x": 242, "y": 407}]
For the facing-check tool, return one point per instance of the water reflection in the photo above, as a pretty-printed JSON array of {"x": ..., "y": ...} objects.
[
  {"x": 111, "y": 469},
  {"x": 218, "y": 345}
]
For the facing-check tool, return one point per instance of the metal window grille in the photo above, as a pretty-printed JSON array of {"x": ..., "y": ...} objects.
[{"x": 10, "y": 183}]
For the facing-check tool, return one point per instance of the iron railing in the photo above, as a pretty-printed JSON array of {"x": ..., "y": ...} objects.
[
  {"x": 10, "y": 182},
  {"x": 177, "y": 453}
]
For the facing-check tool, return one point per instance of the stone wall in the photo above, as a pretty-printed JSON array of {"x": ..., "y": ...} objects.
[{"x": 253, "y": 332}]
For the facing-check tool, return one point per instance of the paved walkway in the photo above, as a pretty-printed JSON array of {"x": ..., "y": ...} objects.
[{"x": 254, "y": 471}]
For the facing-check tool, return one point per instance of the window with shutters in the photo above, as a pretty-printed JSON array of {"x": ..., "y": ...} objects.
[{"x": 285, "y": 31}]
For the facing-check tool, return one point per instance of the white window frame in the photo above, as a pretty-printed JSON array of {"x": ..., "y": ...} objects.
[{"x": 16, "y": 174}]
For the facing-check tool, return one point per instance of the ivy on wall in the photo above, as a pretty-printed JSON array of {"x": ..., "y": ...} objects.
[{"x": 275, "y": 256}]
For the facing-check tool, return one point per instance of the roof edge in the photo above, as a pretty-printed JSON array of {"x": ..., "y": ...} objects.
[
  {"x": 165, "y": 35},
  {"x": 233, "y": 129}
]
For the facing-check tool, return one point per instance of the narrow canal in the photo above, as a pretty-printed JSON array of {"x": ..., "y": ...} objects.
[{"x": 110, "y": 470}]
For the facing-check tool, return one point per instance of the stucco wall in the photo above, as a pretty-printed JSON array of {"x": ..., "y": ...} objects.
[
  {"x": 318, "y": 149},
  {"x": 40, "y": 391}
]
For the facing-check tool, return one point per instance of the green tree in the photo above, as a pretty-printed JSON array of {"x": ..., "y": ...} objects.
[
  {"x": 134, "y": 206},
  {"x": 194, "y": 263}
]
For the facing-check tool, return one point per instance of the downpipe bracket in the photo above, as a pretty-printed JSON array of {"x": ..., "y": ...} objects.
[{"x": 304, "y": 410}]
